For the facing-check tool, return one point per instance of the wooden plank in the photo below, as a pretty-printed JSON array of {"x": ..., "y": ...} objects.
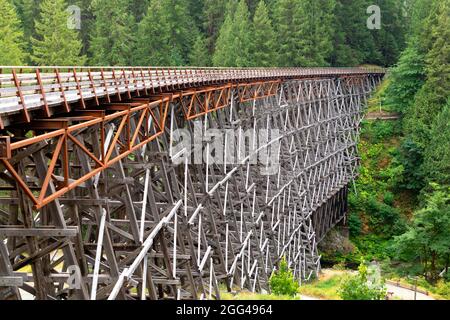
[{"x": 69, "y": 232}]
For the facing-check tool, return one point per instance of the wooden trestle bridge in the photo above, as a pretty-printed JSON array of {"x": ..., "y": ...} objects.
[{"x": 99, "y": 201}]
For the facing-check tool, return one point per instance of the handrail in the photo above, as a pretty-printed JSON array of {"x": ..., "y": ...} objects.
[{"x": 27, "y": 88}]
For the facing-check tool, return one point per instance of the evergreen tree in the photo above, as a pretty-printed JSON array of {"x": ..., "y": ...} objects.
[
  {"x": 183, "y": 31},
  {"x": 87, "y": 23},
  {"x": 138, "y": 8},
  {"x": 389, "y": 38},
  {"x": 427, "y": 239},
  {"x": 112, "y": 38},
  {"x": 407, "y": 78},
  {"x": 315, "y": 32},
  {"x": 166, "y": 35},
  {"x": 242, "y": 36},
  {"x": 353, "y": 42},
  {"x": 27, "y": 11},
  {"x": 222, "y": 54},
  {"x": 438, "y": 58},
  {"x": 305, "y": 31},
  {"x": 153, "y": 39},
  {"x": 435, "y": 92},
  {"x": 55, "y": 43},
  {"x": 199, "y": 56},
  {"x": 263, "y": 43},
  {"x": 214, "y": 12},
  {"x": 436, "y": 166},
  {"x": 196, "y": 9},
  {"x": 234, "y": 42},
  {"x": 11, "y": 36},
  {"x": 285, "y": 17}
]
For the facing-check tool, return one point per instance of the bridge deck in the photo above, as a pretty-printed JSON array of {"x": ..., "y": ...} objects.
[{"x": 26, "y": 89}]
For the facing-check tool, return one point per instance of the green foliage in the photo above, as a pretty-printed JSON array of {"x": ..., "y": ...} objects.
[
  {"x": 390, "y": 38},
  {"x": 112, "y": 38},
  {"x": 234, "y": 42},
  {"x": 372, "y": 247},
  {"x": 360, "y": 287},
  {"x": 214, "y": 13},
  {"x": 27, "y": 11},
  {"x": 406, "y": 79},
  {"x": 389, "y": 198},
  {"x": 353, "y": 43},
  {"x": 152, "y": 49},
  {"x": 384, "y": 219},
  {"x": 378, "y": 179},
  {"x": 443, "y": 289},
  {"x": 263, "y": 38},
  {"x": 183, "y": 31},
  {"x": 410, "y": 157},
  {"x": 354, "y": 223},
  {"x": 434, "y": 94},
  {"x": 305, "y": 31},
  {"x": 282, "y": 282},
  {"x": 326, "y": 289},
  {"x": 257, "y": 33},
  {"x": 427, "y": 239},
  {"x": 11, "y": 36},
  {"x": 436, "y": 166},
  {"x": 199, "y": 55},
  {"x": 55, "y": 44}
]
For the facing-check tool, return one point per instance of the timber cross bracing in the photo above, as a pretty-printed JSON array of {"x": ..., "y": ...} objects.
[{"x": 99, "y": 202}]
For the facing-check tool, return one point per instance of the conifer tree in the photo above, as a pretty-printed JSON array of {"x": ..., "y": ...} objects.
[
  {"x": 153, "y": 46},
  {"x": 234, "y": 42},
  {"x": 183, "y": 31},
  {"x": 112, "y": 38},
  {"x": 214, "y": 13},
  {"x": 55, "y": 43},
  {"x": 27, "y": 10},
  {"x": 389, "y": 39},
  {"x": 406, "y": 79},
  {"x": 353, "y": 41},
  {"x": 263, "y": 42},
  {"x": 286, "y": 29},
  {"x": 305, "y": 31},
  {"x": 222, "y": 55},
  {"x": 11, "y": 36},
  {"x": 436, "y": 167},
  {"x": 242, "y": 39},
  {"x": 315, "y": 32},
  {"x": 166, "y": 35},
  {"x": 435, "y": 92},
  {"x": 86, "y": 23},
  {"x": 199, "y": 56}
]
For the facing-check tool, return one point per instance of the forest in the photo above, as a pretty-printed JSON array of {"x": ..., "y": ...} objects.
[
  {"x": 400, "y": 205},
  {"x": 224, "y": 33}
]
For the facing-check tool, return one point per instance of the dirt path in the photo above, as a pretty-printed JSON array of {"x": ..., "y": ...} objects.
[
  {"x": 398, "y": 293},
  {"x": 406, "y": 294},
  {"x": 383, "y": 115}
]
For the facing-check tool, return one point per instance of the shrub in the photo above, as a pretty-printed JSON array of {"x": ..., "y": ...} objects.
[
  {"x": 443, "y": 289},
  {"x": 282, "y": 282},
  {"x": 354, "y": 224},
  {"x": 388, "y": 198},
  {"x": 360, "y": 288}
]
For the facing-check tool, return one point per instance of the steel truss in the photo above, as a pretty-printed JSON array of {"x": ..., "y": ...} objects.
[{"x": 103, "y": 205}]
